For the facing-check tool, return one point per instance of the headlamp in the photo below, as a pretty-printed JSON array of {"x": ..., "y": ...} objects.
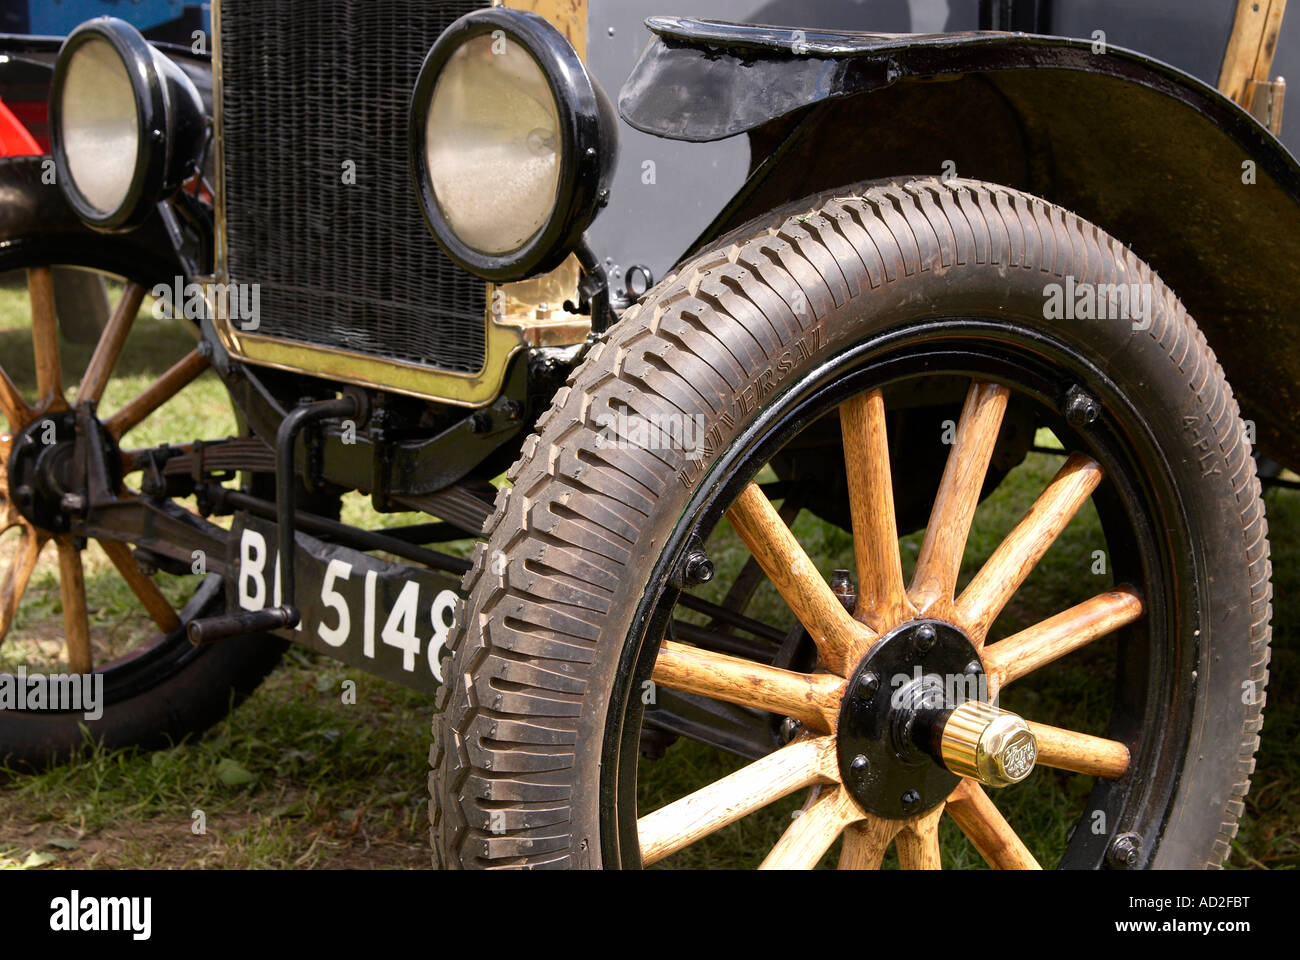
[
  {"x": 512, "y": 144},
  {"x": 126, "y": 124}
]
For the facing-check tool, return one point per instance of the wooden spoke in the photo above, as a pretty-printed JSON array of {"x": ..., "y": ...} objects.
[
  {"x": 12, "y": 404},
  {"x": 987, "y": 829},
  {"x": 173, "y": 380},
  {"x": 751, "y": 574},
  {"x": 110, "y": 344},
  {"x": 1033, "y": 647},
  {"x": 1080, "y": 752},
  {"x": 882, "y": 599},
  {"x": 146, "y": 591},
  {"x": 939, "y": 562},
  {"x": 9, "y": 515},
  {"x": 76, "y": 621},
  {"x": 813, "y": 831},
  {"x": 918, "y": 842},
  {"x": 14, "y": 585},
  {"x": 45, "y": 340},
  {"x": 991, "y": 588},
  {"x": 813, "y": 698},
  {"x": 839, "y": 638},
  {"x": 795, "y": 766},
  {"x": 865, "y": 842}
]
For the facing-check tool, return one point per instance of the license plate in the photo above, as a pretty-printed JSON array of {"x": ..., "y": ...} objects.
[{"x": 388, "y": 619}]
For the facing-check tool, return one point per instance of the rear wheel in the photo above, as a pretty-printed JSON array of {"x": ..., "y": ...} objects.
[{"x": 891, "y": 343}]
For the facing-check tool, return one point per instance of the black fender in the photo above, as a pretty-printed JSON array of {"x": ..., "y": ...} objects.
[
  {"x": 35, "y": 217},
  {"x": 1149, "y": 153},
  {"x": 38, "y": 227}
]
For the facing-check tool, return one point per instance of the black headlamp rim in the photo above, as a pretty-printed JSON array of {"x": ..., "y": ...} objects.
[
  {"x": 148, "y": 88},
  {"x": 583, "y": 165}
]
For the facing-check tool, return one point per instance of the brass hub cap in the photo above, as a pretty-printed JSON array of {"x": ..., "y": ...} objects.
[
  {"x": 985, "y": 743},
  {"x": 914, "y": 720}
]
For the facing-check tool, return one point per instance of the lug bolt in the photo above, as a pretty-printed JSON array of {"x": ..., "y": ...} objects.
[
  {"x": 699, "y": 568},
  {"x": 23, "y": 495},
  {"x": 868, "y": 684},
  {"x": 911, "y": 798},
  {"x": 843, "y": 588},
  {"x": 1080, "y": 408},
  {"x": 1124, "y": 851},
  {"x": 860, "y": 766},
  {"x": 924, "y": 638}
]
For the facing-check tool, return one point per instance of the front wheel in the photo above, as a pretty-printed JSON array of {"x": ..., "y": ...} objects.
[{"x": 700, "y": 562}]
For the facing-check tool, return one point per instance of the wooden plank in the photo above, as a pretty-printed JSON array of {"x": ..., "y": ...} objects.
[{"x": 1251, "y": 46}]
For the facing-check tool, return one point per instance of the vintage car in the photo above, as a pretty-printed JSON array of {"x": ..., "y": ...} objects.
[{"x": 768, "y": 320}]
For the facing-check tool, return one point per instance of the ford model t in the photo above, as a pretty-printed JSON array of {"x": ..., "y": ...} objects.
[{"x": 812, "y": 348}]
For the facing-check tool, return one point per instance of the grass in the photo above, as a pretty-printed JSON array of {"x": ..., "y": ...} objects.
[{"x": 298, "y": 777}]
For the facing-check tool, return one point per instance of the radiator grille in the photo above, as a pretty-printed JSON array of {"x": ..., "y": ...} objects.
[{"x": 312, "y": 91}]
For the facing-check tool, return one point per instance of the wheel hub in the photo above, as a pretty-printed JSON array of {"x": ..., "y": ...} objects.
[
  {"x": 915, "y": 719},
  {"x": 43, "y": 470}
]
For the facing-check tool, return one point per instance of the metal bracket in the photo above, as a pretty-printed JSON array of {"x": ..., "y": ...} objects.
[
  {"x": 594, "y": 287},
  {"x": 286, "y": 614},
  {"x": 1266, "y": 103}
]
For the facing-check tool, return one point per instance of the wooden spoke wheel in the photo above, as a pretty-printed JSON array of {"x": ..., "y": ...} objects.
[
  {"x": 843, "y": 549},
  {"x": 112, "y": 618},
  {"x": 848, "y": 801}
]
